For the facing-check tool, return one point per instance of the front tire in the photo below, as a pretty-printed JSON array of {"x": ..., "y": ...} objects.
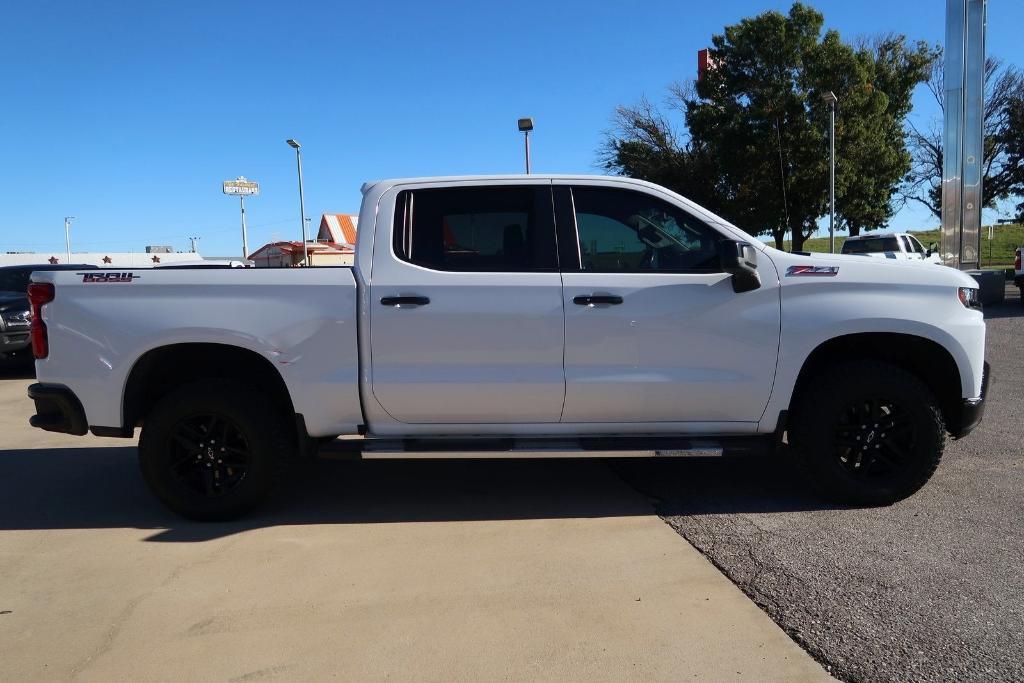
[
  {"x": 211, "y": 450},
  {"x": 868, "y": 432}
]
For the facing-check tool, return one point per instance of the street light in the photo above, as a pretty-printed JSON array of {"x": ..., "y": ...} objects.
[
  {"x": 294, "y": 144},
  {"x": 831, "y": 99},
  {"x": 525, "y": 126},
  {"x": 67, "y": 234}
]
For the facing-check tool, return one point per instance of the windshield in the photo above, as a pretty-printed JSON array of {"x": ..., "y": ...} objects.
[
  {"x": 870, "y": 245},
  {"x": 14, "y": 280}
]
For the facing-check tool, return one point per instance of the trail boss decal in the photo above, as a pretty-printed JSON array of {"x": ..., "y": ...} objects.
[
  {"x": 109, "y": 277},
  {"x": 812, "y": 271}
]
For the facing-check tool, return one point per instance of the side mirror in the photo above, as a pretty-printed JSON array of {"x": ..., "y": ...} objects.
[{"x": 739, "y": 259}]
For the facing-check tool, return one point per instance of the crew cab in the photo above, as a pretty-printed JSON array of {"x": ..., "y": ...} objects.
[
  {"x": 517, "y": 313},
  {"x": 890, "y": 245}
]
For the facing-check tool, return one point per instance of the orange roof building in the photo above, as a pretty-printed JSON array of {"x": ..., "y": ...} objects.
[
  {"x": 338, "y": 228},
  {"x": 334, "y": 246}
]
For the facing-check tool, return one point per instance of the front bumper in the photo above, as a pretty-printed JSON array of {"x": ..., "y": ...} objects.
[
  {"x": 57, "y": 409},
  {"x": 972, "y": 410}
]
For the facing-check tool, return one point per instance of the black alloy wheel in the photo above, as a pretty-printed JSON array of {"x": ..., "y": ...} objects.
[
  {"x": 873, "y": 437},
  {"x": 867, "y": 432},
  {"x": 209, "y": 454},
  {"x": 212, "y": 449}
]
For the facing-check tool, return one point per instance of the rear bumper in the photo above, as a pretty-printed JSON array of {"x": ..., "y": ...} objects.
[
  {"x": 57, "y": 409},
  {"x": 972, "y": 410}
]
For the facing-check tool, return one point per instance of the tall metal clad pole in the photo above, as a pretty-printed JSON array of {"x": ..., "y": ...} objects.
[
  {"x": 952, "y": 134},
  {"x": 962, "y": 140},
  {"x": 973, "y": 149},
  {"x": 294, "y": 144}
]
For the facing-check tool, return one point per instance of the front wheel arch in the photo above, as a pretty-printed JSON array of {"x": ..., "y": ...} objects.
[{"x": 926, "y": 359}]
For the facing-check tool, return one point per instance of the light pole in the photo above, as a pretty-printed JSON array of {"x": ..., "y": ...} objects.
[
  {"x": 193, "y": 240},
  {"x": 67, "y": 234},
  {"x": 525, "y": 126},
  {"x": 831, "y": 99},
  {"x": 294, "y": 144}
]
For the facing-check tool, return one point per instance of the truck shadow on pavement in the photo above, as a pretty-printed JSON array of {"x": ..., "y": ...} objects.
[
  {"x": 16, "y": 370},
  {"x": 84, "y": 488}
]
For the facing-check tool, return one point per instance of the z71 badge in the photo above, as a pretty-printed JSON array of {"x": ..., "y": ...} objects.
[
  {"x": 109, "y": 277},
  {"x": 812, "y": 271}
]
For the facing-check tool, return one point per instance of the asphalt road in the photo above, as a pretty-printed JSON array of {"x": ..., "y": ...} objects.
[{"x": 929, "y": 589}]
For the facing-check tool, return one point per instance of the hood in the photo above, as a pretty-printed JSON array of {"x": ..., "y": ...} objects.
[{"x": 853, "y": 267}]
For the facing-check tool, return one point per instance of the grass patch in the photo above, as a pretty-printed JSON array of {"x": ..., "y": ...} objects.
[{"x": 1005, "y": 240}]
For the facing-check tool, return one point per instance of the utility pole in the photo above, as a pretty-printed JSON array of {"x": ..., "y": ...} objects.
[
  {"x": 831, "y": 99},
  {"x": 67, "y": 234}
]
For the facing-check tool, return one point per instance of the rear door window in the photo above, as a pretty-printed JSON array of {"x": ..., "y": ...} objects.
[{"x": 474, "y": 229}]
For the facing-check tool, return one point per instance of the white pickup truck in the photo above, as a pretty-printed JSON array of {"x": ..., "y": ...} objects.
[
  {"x": 517, "y": 313},
  {"x": 890, "y": 245}
]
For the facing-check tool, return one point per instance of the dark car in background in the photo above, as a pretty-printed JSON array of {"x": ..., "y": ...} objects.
[{"x": 15, "y": 317}]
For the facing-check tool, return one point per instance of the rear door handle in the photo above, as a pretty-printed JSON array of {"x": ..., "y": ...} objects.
[
  {"x": 405, "y": 300},
  {"x": 593, "y": 299}
]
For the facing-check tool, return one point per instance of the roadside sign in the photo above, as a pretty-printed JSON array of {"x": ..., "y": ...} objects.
[{"x": 241, "y": 186}]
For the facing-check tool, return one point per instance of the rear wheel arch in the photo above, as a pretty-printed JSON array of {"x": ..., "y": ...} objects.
[
  {"x": 924, "y": 358},
  {"x": 162, "y": 370}
]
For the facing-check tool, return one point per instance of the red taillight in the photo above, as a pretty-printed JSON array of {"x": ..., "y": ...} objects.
[{"x": 39, "y": 293}]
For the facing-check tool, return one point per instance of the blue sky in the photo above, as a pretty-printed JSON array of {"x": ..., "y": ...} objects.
[{"x": 129, "y": 115}]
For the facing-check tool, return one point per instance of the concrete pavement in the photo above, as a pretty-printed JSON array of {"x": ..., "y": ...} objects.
[{"x": 448, "y": 569}]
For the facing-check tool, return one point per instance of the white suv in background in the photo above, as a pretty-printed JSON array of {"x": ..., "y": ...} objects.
[{"x": 890, "y": 245}]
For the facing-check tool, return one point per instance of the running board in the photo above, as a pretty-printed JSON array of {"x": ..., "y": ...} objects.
[{"x": 357, "y": 446}]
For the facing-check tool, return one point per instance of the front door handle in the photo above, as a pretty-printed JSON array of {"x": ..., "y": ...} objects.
[
  {"x": 405, "y": 300},
  {"x": 594, "y": 299}
]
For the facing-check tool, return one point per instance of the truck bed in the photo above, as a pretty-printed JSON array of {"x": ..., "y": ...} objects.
[{"x": 302, "y": 321}]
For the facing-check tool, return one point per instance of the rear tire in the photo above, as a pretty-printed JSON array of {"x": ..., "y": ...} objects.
[
  {"x": 867, "y": 432},
  {"x": 211, "y": 450}
]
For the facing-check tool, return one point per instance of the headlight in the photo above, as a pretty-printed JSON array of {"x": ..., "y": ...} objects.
[
  {"x": 18, "y": 318},
  {"x": 969, "y": 297}
]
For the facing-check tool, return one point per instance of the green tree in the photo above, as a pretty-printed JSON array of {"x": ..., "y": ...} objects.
[
  {"x": 756, "y": 126},
  {"x": 1012, "y": 136},
  {"x": 878, "y": 81}
]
